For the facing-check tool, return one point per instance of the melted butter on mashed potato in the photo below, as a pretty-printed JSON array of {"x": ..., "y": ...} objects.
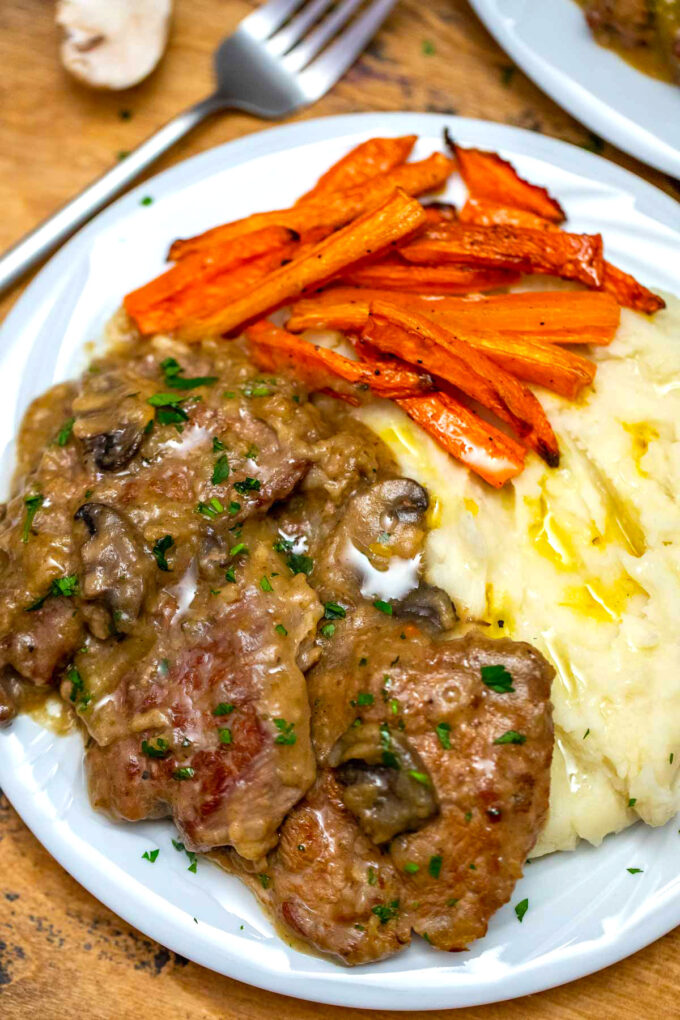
[{"x": 584, "y": 563}]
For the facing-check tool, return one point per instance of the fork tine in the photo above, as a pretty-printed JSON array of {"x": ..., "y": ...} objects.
[
  {"x": 291, "y": 33},
  {"x": 266, "y": 19},
  {"x": 323, "y": 72},
  {"x": 316, "y": 40}
]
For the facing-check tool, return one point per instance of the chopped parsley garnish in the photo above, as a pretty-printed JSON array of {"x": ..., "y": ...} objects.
[
  {"x": 334, "y": 611},
  {"x": 435, "y": 866},
  {"x": 239, "y": 549},
  {"x": 443, "y": 731},
  {"x": 372, "y": 878},
  {"x": 521, "y": 909},
  {"x": 78, "y": 693},
  {"x": 247, "y": 485},
  {"x": 252, "y": 452},
  {"x": 224, "y": 708},
  {"x": 265, "y": 584},
  {"x": 178, "y": 846},
  {"x": 328, "y": 630},
  {"x": 394, "y": 706},
  {"x": 32, "y": 504},
  {"x": 364, "y": 698},
  {"x": 164, "y": 400},
  {"x": 234, "y": 508},
  {"x": 64, "y": 433},
  {"x": 193, "y": 866},
  {"x": 586, "y": 734},
  {"x": 186, "y": 772},
  {"x": 175, "y": 379},
  {"x": 280, "y": 629},
  {"x": 255, "y": 389},
  {"x": 363, "y": 661},
  {"x": 283, "y": 544},
  {"x": 211, "y": 509},
  {"x": 386, "y": 911},
  {"x": 389, "y": 758},
  {"x": 299, "y": 564},
  {"x": 150, "y": 855},
  {"x": 451, "y": 902},
  {"x": 231, "y": 575},
  {"x": 428, "y": 48},
  {"x": 159, "y": 550},
  {"x": 147, "y": 200},
  {"x": 411, "y": 867},
  {"x": 420, "y": 777},
  {"x": 632, "y": 802},
  {"x": 158, "y": 749},
  {"x": 634, "y": 871},
  {"x": 221, "y": 470},
  {"x": 497, "y": 678},
  {"x": 286, "y": 734},
  {"x": 384, "y": 607},
  {"x": 225, "y": 736},
  {"x": 511, "y": 737},
  {"x": 61, "y": 586},
  {"x": 264, "y": 880},
  {"x": 217, "y": 445}
]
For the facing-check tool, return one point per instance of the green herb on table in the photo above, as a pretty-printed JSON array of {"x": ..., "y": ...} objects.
[
  {"x": 521, "y": 909},
  {"x": 150, "y": 855}
]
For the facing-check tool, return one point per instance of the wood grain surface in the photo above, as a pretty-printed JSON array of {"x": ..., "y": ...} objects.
[{"x": 61, "y": 953}]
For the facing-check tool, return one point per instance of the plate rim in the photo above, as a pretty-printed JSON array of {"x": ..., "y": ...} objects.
[
  {"x": 93, "y": 870},
  {"x": 624, "y": 132}
]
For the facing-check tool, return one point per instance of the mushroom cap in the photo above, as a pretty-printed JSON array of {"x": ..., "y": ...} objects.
[{"x": 113, "y": 44}]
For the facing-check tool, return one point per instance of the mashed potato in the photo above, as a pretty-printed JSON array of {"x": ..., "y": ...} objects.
[{"x": 584, "y": 563}]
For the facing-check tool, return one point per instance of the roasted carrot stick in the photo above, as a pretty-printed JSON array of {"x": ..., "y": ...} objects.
[
  {"x": 422, "y": 342},
  {"x": 275, "y": 349},
  {"x": 628, "y": 292},
  {"x": 392, "y": 275},
  {"x": 333, "y": 210},
  {"x": 493, "y": 179},
  {"x": 369, "y": 159},
  {"x": 484, "y": 449},
  {"x": 396, "y": 218},
  {"x": 162, "y": 293},
  {"x": 572, "y": 256},
  {"x": 562, "y": 317},
  {"x": 533, "y": 361}
]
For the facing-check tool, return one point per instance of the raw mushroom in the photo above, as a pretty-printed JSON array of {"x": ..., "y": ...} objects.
[{"x": 113, "y": 44}]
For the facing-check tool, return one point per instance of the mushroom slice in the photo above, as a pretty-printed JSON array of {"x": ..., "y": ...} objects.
[
  {"x": 427, "y": 604},
  {"x": 386, "y": 785},
  {"x": 116, "y": 568},
  {"x": 113, "y": 45}
]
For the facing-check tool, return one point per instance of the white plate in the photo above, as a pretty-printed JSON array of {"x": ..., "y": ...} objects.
[
  {"x": 551, "y": 42},
  {"x": 585, "y": 911}
]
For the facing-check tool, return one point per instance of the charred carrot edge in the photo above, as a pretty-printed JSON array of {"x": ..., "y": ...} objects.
[
  {"x": 196, "y": 270},
  {"x": 428, "y": 279},
  {"x": 369, "y": 159},
  {"x": 396, "y": 218},
  {"x": 333, "y": 210},
  {"x": 628, "y": 291},
  {"x": 561, "y": 317},
  {"x": 528, "y": 359},
  {"x": 479, "y": 446},
  {"x": 278, "y": 349},
  {"x": 429, "y": 345},
  {"x": 494, "y": 179},
  {"x": 572, "y": 256}
]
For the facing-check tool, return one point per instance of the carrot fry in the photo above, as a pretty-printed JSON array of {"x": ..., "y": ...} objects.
[
  {"x": 491, "y": 214},
  {"x": 211, "y": 295},
  {"x": 398, "y": 216},
  {"x": 484, "y": 449},
  {"x": 275, "y": 349},
  {"x": 561, "y": 317},
  {"x": 629, "y": 293},
  {"x": 428, "y": 279},
  {"x": 572, "y": 256},
  {"x": 369, "y": 159},
  {"x": 533, "y": 361},
  {"x": 421, "y": 342},
  {"x": 163, "y": 293},
  {"x": 493, "y": 179},
  {"x": 333, "y": 210}
]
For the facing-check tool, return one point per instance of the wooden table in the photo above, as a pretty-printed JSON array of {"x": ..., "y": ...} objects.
[{"x": 61, "y": 953}]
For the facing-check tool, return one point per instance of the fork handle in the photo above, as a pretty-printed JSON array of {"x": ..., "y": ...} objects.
[{"x": 52, "y": 231}]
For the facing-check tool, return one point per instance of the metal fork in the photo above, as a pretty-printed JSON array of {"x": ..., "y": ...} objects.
[{"x": 284, "y": 55}]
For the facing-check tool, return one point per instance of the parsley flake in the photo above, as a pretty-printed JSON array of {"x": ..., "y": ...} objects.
[
  {"x": 32, "y": 504},
  {"x": 443, "y": 731},
  {"x": 159, "y": 550},
  {"x": 175, "y": 379},
  {"x": 497, "y": 678},
  {"x": 280, "y": 629},
  {"x": 411, "y": 867},
  {"x": 186, "y": 772},
  {"x": 386, "y": 911},
  {"x": 286, "y": 734},
  {"x": 384, "y": 607},
  {"x": 158, "y": 749},
  {"x": 265, "y": 584},
  {"x": 247, "y": 485},
  {"x": 225, "y": 736},
  {"x": 64, "y": 433},
  {"x": 511, "y": 737},
  {"x": 435, "y": 865},
  {"x": 334, "y": 611},
  {"x": 223, "y": 708},
  {"x": 150, "y": 855},
  {"x": 221, "y": 470},
  {"x": 521, "y": 909},
  {"x": 634, "y": 871}
]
